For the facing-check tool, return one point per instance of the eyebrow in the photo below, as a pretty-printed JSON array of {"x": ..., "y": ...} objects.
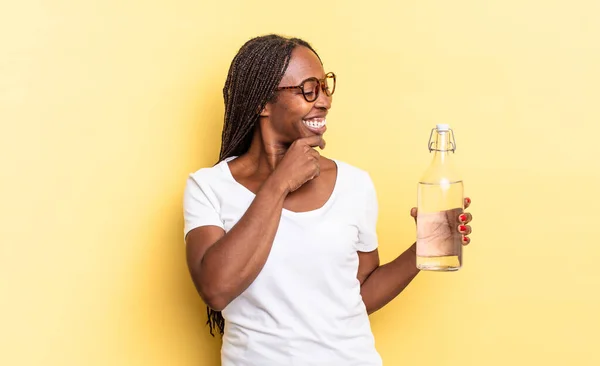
[{"x": 300, "y": 80}]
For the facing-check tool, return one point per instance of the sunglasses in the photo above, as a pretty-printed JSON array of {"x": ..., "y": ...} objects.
[{"x": 312, "y": 86}]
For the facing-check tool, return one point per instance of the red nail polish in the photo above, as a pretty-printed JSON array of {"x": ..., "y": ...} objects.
[
  {"x": 462, "y": 228},
  {"x": 465, "y": 239},
  {"x": 463, "y": 217},
  {"x": 468, "y": 200}
]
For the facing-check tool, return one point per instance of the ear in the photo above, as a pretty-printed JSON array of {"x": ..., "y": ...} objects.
[{"x": 266, "y": 111}]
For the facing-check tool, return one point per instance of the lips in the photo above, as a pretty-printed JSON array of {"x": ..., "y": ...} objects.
[{"x": 316, "y": 125}]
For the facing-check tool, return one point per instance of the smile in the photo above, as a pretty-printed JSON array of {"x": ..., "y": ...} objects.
[{"x": 315, "y": 123}]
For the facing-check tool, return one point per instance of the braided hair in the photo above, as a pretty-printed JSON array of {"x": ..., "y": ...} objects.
[{"x": 254, "y": 74}]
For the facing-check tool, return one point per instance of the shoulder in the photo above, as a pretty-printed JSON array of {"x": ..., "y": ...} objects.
[
  {"x": 207, "y": 173},
  {"x": 206, "y": 180},
  {"x": 357, "y": 184},
  {"x": 356, "y": 181},
  {"x": 353, "y": 173},
  {"x": 210, "y": 174}
]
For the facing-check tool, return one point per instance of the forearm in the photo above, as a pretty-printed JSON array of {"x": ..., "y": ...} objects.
[
  {"x": 231, "y": 264},
  {"x": 387, "y": 281}
]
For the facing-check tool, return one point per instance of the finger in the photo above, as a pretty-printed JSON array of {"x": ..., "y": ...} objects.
[
  {"x": 466, "y": 240},
  {"x": 314, "y": 141},
  {"x": 314, "y": 153},
  {"x": 467, "y": 202},
  {"x": 464, "y": 229},
  {"x": 465, "y": 218},
  {"x": 413, "y": 212},
  {"x": 317, "y": 170}
]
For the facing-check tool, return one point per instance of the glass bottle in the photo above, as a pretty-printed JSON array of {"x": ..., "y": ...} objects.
[{"x": 440, "y": 202}]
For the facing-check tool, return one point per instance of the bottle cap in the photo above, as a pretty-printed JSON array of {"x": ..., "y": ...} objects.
[{"x": 442, "y": 127}]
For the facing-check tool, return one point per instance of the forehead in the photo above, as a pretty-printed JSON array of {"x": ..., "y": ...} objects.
[{"x": 303, "y": 64}]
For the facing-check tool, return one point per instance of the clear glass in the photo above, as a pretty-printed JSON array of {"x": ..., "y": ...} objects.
[{"x": 440, "y": 202}]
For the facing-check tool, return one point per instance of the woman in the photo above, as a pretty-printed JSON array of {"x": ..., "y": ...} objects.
[{"x": 280, "y": 239}]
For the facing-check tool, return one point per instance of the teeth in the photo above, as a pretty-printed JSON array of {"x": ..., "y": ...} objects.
[{"x": 315, "y": 122}]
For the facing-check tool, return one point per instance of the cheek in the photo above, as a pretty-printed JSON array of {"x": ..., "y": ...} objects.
[
  {"x": 294, "y": 111},
  {"x": 301, "y": 109}
]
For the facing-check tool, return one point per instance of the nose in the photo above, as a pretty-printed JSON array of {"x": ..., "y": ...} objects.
[{"x": 323, "y": 101}]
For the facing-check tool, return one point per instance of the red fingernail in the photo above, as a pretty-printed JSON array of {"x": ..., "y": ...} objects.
[
  {"x": 463, "y": 217},
  {"x": 462, "y": 228},
  {"x": 465, "y": 239},
  {"x": 468, "y": 200}
]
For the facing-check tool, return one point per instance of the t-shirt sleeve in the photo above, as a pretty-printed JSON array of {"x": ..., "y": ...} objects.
[
  {"x": 367, "y": 228},
  {"x": 199, "y": 206}
]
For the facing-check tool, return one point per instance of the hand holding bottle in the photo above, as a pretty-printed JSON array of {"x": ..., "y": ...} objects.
[{"x": 463, "y": 220}]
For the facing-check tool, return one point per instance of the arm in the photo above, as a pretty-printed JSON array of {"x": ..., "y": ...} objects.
[
  {"x": 223, "y": 265},
  {"x": 381, "y": 284}
]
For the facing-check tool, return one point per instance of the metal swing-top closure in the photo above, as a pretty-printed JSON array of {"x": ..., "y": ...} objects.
[{"x": 442, "y": 129}]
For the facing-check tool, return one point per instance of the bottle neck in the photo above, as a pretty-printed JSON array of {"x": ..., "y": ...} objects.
[
  {"x": 442, "y": 146},
  {"x": 442, "y": 167}
]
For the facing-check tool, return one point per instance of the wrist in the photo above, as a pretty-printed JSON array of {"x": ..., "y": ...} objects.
[
  {"x": 413, "y": 248},
  {"x": 275, "y": 186}
]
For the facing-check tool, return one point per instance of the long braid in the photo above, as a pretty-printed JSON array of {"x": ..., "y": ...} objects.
[{"x": 254, "y": 74}]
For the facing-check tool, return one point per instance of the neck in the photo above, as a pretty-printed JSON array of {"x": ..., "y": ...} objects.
[{"x": 265, "y": 153}]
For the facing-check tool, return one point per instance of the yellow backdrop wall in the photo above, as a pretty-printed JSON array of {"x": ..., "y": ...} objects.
[{"x": 105, "y": 107}]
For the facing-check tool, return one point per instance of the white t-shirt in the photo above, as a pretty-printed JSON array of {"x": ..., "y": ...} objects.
[{"x": 305, "y": 307}]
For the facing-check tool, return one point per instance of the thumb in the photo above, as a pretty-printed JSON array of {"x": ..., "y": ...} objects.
[
  {"x": 314, "y": 141},
  {"x": 413, "y": 213}
]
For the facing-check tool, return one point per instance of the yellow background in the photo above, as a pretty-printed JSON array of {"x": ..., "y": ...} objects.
[{"x": 106, "y": 106}]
